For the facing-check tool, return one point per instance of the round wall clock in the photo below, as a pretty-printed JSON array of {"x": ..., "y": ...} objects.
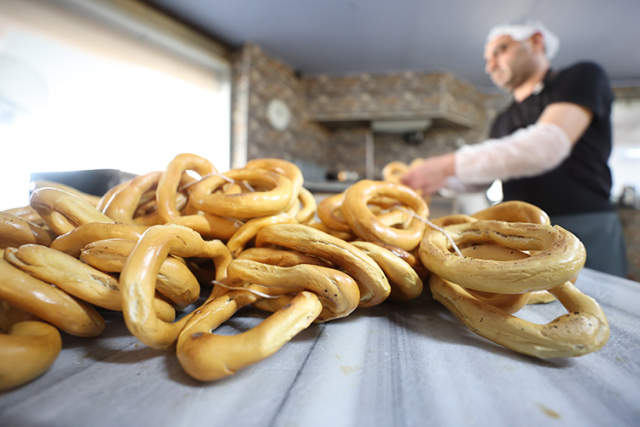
[{"x": 278, "y": 114}]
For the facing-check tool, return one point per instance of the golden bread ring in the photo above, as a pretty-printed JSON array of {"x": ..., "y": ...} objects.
[
  {"x": 27, "y": 213},
  {"x": 28, "y": 346},
  {"x": 560, "y": 256},
  {"x": 454, "y": 219},
  {"x": 249, "y": 229},
  {"x": 583, "y": 330},
  {"x": 394, "y": 171},
  {"x": 171, "y": 179},
  {"x": 368, "y": 227},
  {"x": 308, "y": 208},
  {"x": 209, "y": 226},
  {"x": 72, "y": 242},
  {"x": 281, "y": 257},
  {"x": 16, "y": 231},
  {"x": 138, "y": 278},
  {"x": 206, "y": 356},
  {"x": 514, "y": 211},
  {"x": 347, "y": 236},
  {"x": 372, "y": 282},
  {"x": 330, "y": 213},
  {"x": 337, "y": 291},
  {"x": 64, "y": 211},
  {"x": 275, "y": 199},
  {"x": 48, "y": 303},
  {"x": 110, "y": 194},
  {"x": 283, "y": 167},
  {"x": 510, "y": 303},
  {"x": 42, "y": 183},
  {"x": 410, "y": 258},
  {"x": 123, "y": 205},
  {"x": 75, "y": 277},
  {"x": 175, "y": 281},
  {"x": 405, "y": 282}
]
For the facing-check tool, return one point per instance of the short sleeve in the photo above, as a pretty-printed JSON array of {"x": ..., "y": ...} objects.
[{"x": 585, "y": 84}]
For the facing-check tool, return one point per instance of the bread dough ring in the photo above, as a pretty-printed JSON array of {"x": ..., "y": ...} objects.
[
  {"x": 138, "y": 278},
  {"x": 75, "y": 277},
  {"x": 584, "y": 329},
  {"x": 72, "y": 242},
  {"x": 559, "y": 256},
  {"x": 206, "y": 356},
  {"x": 64, "y": 211},
  {"x": 171, "y": 179},
  {"x": 368, "y": 227},
  {"x": 28, "y": 346},
  {"x": 405, "y": 282},
  {"x": 16, "y": 231},
  {"x": 175, "y": 281},
  {"x": 337, "y": 291},
  {"x": 48, "y": 303},
  {"x": 249, "y": 229},
  {"x": 514, "y": 211},
  {"x": 274, "y": 200},
  {"x": 372, "y": 282}
]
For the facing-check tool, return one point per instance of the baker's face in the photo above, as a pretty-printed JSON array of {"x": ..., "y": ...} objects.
[{"x": 508, "y": 62}]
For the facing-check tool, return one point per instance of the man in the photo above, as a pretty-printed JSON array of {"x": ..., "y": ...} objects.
[{"x": 550, "y": 147}]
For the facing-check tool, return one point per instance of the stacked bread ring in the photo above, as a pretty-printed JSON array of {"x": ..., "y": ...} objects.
[{"x": 193, "y": 244}]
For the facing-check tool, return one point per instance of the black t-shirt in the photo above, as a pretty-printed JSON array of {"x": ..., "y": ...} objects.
[{"x": 582, "y": 182}]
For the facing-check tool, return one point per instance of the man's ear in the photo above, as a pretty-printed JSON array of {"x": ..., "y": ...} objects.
[{"x": 537, "y": 41}]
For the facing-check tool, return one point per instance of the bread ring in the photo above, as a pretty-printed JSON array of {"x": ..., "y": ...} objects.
[
  {"x": 206, "y": 356},
  {"x": 75, "y": 277},
  {"x": 64, "y": 211},
  {"x": 27, "y": 213},
  {"x": 454, "y": 219},
  {"x": 308, "y": 209},
  {"x": 283, "y": 167},
  {"x": 405, "y": 282},
  {"x": 372, "y": 282},
  {"x": 175, "y": 281},
  {"x": 16, "y": 231},
  {"x": 123, "y": 205},
  {"x": 365, "y": 224},
  {"x": 249, "y": 229},
  {"x": 510, "y": 303},
  {"x": 330, "y": 213},
  {"x": 514, "y": 211},
  {"x": 394, "y": 171},
  {"x": 583, "y": 330},
  {"x": 72, "y": 242},
  {"x": 171, "y": 178},
  {"x": 244, "y": 206},
  {"x": 560, "y": 258},
  {"x": 110, "y": 194},
  {"x": 410, "y": 258},
  {"x": 347, "y": 236},
  {"x": 209, "y": 226},
  {"x": 48, "y": 303},
  {"x": 42, "y": 183},
  {"x": 337, "y": 291},
  {"x": 281, "y": 257},
  {"x": 138, "y": 278},
  {"x": 28, "y": 347}
]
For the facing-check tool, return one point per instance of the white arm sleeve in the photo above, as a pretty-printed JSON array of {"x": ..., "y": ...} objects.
[{"x": 527, "y": 152}]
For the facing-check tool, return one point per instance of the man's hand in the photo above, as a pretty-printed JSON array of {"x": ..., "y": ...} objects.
[{"x": 430, "y": 175}]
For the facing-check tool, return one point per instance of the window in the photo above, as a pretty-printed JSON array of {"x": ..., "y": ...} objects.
[{"x": 77, "y": 94}]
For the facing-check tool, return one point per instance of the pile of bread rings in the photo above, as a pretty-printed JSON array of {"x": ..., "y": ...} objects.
[{"x": 152, "y": 246}]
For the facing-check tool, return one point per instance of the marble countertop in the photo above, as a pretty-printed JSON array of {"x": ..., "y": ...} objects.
[{"x": 397, "y": 364}]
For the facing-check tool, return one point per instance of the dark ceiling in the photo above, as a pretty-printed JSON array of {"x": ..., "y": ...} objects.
[{"x": 340, "y": 37}]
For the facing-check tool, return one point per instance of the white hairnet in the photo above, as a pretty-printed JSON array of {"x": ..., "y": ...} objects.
[{"x": 521, "y": 32}]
